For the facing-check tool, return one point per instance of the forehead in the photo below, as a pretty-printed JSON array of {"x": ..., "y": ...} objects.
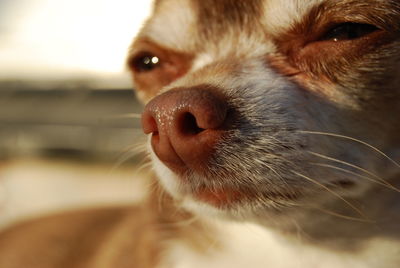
[
  {"x": 248, "y": 14},
  {"x": 179, "y": 24},
  {"x": 184, "y": 24},
  {"x": 215, "y": 17}
]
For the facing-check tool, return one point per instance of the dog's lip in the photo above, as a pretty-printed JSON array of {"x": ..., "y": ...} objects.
[
  {"x": 227, "y": 196},
  {"x": 220, "y": 197}
]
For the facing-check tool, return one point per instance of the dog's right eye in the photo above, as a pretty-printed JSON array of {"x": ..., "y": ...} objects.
[
  {"x": 349, "y": 31},
  {"x": 145, "y": 62}
]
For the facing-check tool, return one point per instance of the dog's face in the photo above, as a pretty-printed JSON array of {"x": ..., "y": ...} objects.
[{"x": 261, "y": 106}]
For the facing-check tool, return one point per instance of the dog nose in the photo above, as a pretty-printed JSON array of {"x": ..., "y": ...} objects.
[{"x": 186, "y": 124}]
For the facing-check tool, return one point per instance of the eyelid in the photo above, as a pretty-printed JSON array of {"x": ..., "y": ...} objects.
[{"x": 353, "y": 30}]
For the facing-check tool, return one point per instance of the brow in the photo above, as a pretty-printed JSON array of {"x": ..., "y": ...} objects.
[
  {"x": 217, "y": 16},
  {"x": 383, "y": 14}
]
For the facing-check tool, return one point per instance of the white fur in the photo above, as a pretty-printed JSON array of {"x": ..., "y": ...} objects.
[
  {"x": 242, "y": 245},
  {"x": 179, "y": 17},
  {"x": 281, "y": 15}
]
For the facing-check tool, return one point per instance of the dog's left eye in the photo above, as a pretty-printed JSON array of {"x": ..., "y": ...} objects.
[
  {"x": 349, "y": 31},
  {"x": 145, "y": 62}
]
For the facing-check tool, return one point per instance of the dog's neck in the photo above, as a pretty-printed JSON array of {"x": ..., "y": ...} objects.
[
  {"x": 317, "y": 236},
  {"x": 347, "y": 224}
]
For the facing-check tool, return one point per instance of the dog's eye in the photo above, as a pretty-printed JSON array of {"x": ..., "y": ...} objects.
[
  {"x": 145, "y": 62},
  {"x": 349, "y": 31}
]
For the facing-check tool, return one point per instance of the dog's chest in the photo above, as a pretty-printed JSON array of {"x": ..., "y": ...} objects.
[
  {"x": 237, "y": 246},
  {"x": 245, "y": 246}
]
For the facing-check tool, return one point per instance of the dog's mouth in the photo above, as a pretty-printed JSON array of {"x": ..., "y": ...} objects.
[
  {"x": 227, "y": 196},
  {"x": 221, "y": 197},
  {"x": 212, "y": 155}
]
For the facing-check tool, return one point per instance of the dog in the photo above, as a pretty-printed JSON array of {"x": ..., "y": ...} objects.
[{"x": 274, "y": 136}]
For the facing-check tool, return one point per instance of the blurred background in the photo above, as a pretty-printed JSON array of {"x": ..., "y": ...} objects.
[{"x": 69, "y": 121}]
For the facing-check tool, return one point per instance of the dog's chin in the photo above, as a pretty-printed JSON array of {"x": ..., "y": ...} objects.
[
  {"x": 182, "y": 189},
  {"x": 194, "y": 193}
]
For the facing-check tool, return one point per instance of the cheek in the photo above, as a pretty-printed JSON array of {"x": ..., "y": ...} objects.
[{"x": 305, "y": 81}]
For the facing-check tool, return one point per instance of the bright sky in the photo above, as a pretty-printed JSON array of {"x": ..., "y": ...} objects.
[{"x": 57, "y": 38}]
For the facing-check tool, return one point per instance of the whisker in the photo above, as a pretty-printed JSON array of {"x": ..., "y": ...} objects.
[
  {"x": 333, "y": 213},
  {"x": 355, "y": 140},
  {"x": 332, "y": 192},
  {"x": 182, "y": 223},
  {"x": 125, "y": 157},
  {"x": 353, "y": 166},
  {"x": 159, "y": 193},
  {"x": 144, "y": 165},
  {"x": 130, "y": 152},
  {"x": 138, "y": 147},
  {"x": 383, "y": 183},
  {"x": 122, "y": 116}
]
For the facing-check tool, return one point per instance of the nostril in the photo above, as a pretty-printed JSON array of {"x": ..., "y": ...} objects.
[
  {"x": 188, "y": 125},
  {"x": 149, "y": 124},
  {"x": 155, "y": 136}
]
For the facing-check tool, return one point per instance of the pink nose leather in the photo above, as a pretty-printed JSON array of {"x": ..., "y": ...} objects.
[{"x": 185, "y": 124}]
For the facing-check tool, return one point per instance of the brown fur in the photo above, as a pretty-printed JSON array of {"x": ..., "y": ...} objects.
[
  {"x": 122, "y": 237},
  {"x": 112, "y": 237}
]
